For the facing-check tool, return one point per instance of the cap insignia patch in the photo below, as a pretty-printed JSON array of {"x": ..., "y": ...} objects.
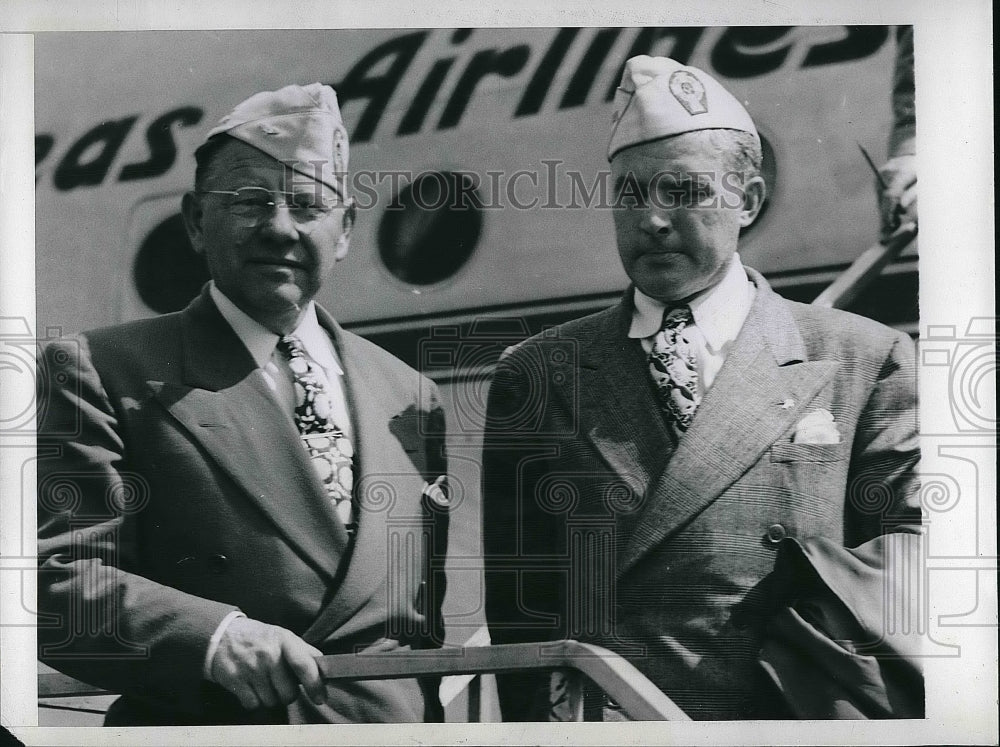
[{"x": 689, "y": 92}]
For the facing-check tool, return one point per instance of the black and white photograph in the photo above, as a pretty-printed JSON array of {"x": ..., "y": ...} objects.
[{"x": 452, "y": 377}]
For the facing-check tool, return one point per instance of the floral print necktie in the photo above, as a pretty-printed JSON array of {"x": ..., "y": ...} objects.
[
  {"x": 673, "y": 368},
  {"x": 330, "y": 451}
]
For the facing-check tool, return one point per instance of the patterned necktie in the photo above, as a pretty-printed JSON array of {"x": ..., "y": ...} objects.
[
  {"x": 329, "y": 449},
  {"x": 672, "y": 366}
]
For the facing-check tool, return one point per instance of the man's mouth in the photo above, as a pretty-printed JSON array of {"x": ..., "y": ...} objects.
[
  {"x": 277, "y": 262},
  {"x": 661, "y": 252}
]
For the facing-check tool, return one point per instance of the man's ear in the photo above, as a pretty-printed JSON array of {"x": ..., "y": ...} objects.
[
  {"x": 754, "y": 194},
  {"x": 192, "y": 212},
  {"x": 343, "y": 241}
]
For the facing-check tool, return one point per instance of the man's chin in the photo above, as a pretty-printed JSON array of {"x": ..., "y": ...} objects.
[
  {"x": 278, "y": 286},
  {"x": 664, "y": 291},
  {"x": 287, "y": 298},
  {"x": 278, "y": 300}
]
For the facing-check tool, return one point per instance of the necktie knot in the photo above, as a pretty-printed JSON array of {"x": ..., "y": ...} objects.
[
  {"x": 291, "y": 346},
  {"x": 677, "y": 318}
]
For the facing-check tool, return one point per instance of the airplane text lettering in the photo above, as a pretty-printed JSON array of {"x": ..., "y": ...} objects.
[{"x": 375, "y": 79}]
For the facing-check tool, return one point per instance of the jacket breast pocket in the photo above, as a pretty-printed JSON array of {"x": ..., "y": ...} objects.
[{"x": 786, "y": 451}]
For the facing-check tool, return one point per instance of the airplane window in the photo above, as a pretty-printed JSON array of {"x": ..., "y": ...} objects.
[
  {"x": 431, "y": 227},
  {"x": 167, "y": 272}
]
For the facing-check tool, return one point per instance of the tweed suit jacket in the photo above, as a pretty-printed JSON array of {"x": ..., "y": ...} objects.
[
  {"x": 597, "y": 527},
  {"x": 173, "y": 489}
]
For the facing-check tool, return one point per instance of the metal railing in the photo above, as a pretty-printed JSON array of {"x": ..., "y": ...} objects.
[
  {"x": 570, "y": 662},
  {"x": 852, "y": 281},
  {"x": 639, "y": 698}
]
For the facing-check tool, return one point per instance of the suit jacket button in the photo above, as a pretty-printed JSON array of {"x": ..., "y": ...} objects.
[
  {"x": 218, "y": 563},
  {"x": 775, "y": 533}
]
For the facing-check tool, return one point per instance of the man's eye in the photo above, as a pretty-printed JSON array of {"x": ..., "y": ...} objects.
[
  {"x": 670, "y": 196},
  {"x": 686, "y": 197},
  {"x": 630, "y": 202},
  {"x": 305, "y": 203},
  {"x": 252, "y": 198}
]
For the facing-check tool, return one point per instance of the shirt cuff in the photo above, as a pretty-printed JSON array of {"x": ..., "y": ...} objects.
[{"x": 213, "y": 643}]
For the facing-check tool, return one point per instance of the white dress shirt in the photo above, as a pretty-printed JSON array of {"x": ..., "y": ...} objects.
[
  {"x": 273, "y": 367},
  {"x": 719, "y": 313},
  {"x": 262, "y": 343}
]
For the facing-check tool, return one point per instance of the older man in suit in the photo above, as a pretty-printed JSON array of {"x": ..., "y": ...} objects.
[
  {"x": 228, "y": 492},
  {"x": 644, "y": 466}
]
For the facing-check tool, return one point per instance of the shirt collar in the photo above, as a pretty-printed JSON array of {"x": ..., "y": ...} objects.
[
  {"x": 260, "y": 341},
  {"x": 719, "y": 311},
  {"x": 317, "y": 342}
]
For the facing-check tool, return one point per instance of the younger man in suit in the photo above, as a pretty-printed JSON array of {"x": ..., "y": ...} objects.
[
  {"x": 644, "y": 466},
  {"x": 223, "y": 491}
]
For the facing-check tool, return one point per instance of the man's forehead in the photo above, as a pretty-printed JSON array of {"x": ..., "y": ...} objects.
[
  {"x": 690, "y": 151},
  {"x": 665, "y": 178},
  {"x": 234, "y": 154}
]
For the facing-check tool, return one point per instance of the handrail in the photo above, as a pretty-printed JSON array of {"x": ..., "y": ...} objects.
[
  {"x": 625, "y": 684},
  {"x": 629, "y": 687},
  {"x": 59, "y": 685},
  {"x": 852, "y": 281}
]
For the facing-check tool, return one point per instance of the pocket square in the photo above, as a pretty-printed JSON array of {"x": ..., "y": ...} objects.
[
  {"x": 818, "y": 427},
  {"x": 437, "y": 491}
]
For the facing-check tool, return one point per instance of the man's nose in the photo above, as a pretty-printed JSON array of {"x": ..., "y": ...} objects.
[
  {"x": 280, "y": 224},
  {"x": 656, "y": 221}
]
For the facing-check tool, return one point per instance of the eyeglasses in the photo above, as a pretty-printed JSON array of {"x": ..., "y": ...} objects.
[{"x": 254, "y": 205}]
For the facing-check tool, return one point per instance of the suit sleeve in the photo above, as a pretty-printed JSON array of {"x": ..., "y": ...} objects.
[
  {"x": 101, "y": 621},
  {"x": 524, "y": 598},
  {"x": 883, "y": 486},
  {"x": 859, "y": 603},
  {"x": 902, "y": 138},
  {"x": 436, "y": 517}
]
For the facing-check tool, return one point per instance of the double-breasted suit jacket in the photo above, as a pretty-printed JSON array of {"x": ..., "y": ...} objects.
[
  {"x": 599, "y": 526},
  {"x": 174, "y": 489}
]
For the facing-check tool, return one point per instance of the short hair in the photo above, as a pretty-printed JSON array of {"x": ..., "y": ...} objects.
[
  {"x": 203, "y": 158},
  {"x": 742, "y": 150}
]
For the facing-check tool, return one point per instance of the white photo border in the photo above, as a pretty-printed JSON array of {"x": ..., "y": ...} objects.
[{"x": 953, "y": 67}]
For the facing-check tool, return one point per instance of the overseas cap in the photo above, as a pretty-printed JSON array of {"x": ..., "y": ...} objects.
[
  {"x": 297, "y": 125},
  {"x": 659, "y": 97}
]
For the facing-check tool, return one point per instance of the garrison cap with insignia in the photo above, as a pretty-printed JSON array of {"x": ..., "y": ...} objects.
[
  {"x": 298, "y": 125},
  {"x": 659, "y": 97}
]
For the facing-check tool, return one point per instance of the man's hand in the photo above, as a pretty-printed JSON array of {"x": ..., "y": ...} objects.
[
  {"x": 898, "y": 201},
  {"x": 263, "y": 665}
]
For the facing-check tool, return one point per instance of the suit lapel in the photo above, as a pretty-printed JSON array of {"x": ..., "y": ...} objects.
[
  {"x": 760, "y": 392},
  {"x": 616, "y": 401},
  {"x": 384, "y": 476},
  {"x": 226, "y": 406}
]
